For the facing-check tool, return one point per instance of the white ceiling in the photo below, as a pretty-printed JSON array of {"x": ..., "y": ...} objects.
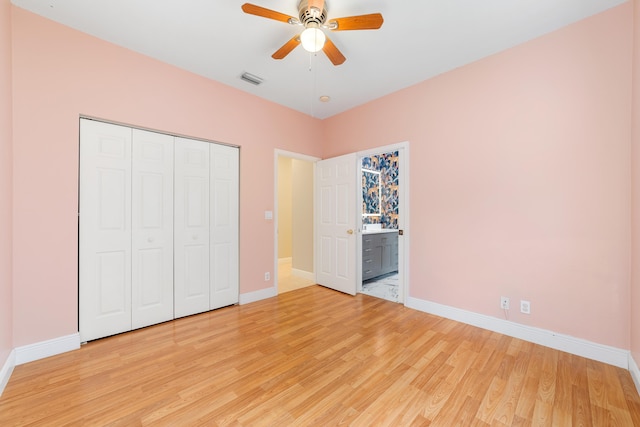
[{"x": 418, "y": 40}]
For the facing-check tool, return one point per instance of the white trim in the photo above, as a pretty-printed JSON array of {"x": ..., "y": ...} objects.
[
  {"x": 292, "y": 155},
  {"x": 40, "y": 350},
  {"x": 580, "y": 347},
  {"x": 286, "y": 260},
  {"x": 7, "y": 369},
  {"x": 383, "y": 149},
  {"x": 404, "y": 242},
  {"x": 308, "y": 275},
  {"x": 258, "y": 295},
  {"x": 634, "y": 371}
]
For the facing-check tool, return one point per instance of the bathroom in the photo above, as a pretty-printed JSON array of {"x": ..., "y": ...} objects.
[{"x": 380, "y": 204}]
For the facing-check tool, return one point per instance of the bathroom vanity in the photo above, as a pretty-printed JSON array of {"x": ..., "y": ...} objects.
[{"x": 379, "y": 252}]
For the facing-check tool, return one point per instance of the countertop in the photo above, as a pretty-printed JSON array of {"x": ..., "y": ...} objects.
[{"x": 380, "y": 231}]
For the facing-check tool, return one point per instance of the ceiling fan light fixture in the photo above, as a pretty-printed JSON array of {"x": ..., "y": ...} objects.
[{"x": 312, "y": 39}]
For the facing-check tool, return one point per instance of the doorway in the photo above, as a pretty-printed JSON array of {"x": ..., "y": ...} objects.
[
  {"x": 383, "y": 217},
  {"x": 326, "y": 260},
  {"x": 294, "y": 219}
]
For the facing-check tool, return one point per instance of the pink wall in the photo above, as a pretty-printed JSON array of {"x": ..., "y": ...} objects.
[
  {"x": 60, "y": 74},
  {"x": 6, "y": 340},
  {"x": 520, "y": 169},
  {"x": 520, "y": 178},
  {"x": 635, "y": 282}
]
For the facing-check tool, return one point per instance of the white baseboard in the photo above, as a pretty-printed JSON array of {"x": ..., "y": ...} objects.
[
  {"x": 308, "y": 275},
  {"x": 590, "y": 350},
  {"x": 7, "y": 369},
  {"x": 258, "y": 295},
  {"x": 40, "y": 350},
  {"x": 635, "y": 372},
  {"x": 287, "y": 260}
]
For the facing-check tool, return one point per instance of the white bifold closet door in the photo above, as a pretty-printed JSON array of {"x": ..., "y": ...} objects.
[
  {"x": 105, "y": 230},
  {"x": 191, "y": 256},
  {"x": 152, "y": 229},
  {"x": 206, "y": 226},
  {"x": 158, "y": 228},
  {"x": 224, "y": 216},
  {"x": 126, "y": 229}
]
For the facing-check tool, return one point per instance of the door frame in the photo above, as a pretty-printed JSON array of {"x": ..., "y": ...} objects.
[
  {"x": 290, "y": 155},
  {"x": 403, "y": 215}
]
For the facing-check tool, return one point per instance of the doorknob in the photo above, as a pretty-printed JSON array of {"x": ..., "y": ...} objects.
[{"x": 349, "y": 231}]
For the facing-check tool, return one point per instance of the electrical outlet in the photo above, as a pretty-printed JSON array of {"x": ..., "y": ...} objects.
[
  {"x": 504, "y": 303},
  {"x": 267, "y": 276},
  {"x": 525, "y": 307}
]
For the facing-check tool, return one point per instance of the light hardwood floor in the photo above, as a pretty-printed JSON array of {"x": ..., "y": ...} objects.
[{"x": 315, "y": 357}]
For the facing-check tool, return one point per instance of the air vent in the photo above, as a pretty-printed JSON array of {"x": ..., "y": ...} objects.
[{"x": 250, "y": 78}]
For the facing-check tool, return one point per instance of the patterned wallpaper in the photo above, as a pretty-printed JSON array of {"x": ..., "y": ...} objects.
[
  {"x": 371, "y": 192},
  {"x": 387, "y": 165}
]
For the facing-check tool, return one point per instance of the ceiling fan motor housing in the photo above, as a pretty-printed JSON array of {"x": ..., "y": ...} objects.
[{"x": 311, "y": 16}]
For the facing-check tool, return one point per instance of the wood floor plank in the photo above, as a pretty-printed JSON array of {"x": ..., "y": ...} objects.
[
  {"x": 316, "y": 357},
  {"x": 632, "y": 398},
  {"x": 515, "y": 380}
]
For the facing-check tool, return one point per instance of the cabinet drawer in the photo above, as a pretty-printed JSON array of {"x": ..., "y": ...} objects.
[
  {"x": 368, "y": 265},
  {"x": 379, "y": 254},
  {"x": 368, "y": 242}
]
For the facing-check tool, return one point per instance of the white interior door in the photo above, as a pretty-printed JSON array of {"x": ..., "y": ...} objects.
[
  {"x": 152, "y": 229},
  {"x": 336, "y": 181},
  {"x": 105, "y": 230},
  {"x": 191, "y": 227},
  {"x": 224, "y": 187}
]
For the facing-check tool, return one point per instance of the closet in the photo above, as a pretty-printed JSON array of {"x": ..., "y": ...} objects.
[{"x": 158, "y": 228}]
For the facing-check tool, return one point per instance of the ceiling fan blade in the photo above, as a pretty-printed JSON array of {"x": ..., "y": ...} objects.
[
  {"x": 286, "y": 48},
  {"x": 252, "y": 9},
  {"x": 372, "y": 21},
  {"x": 332, "y": 52}
]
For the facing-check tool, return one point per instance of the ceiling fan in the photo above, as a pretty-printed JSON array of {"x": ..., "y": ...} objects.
[{"x": 313, "y": 17}]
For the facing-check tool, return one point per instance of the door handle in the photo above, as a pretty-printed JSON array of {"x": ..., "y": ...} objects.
[
  {"x": 349, "y": 231},
  {"x": 150, "y": 239}
]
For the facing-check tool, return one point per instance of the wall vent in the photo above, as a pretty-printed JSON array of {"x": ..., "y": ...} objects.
[{"x": 250, "y": 78}]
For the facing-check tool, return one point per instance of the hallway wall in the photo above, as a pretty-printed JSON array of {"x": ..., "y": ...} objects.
[
  {"x": 285, "y": 207},
  {"x": 302, "y": 215}
]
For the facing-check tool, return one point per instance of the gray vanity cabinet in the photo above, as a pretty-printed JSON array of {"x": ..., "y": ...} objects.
[{"x": 379, "y": 254}]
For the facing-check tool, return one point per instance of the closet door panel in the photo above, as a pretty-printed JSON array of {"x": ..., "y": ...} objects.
[
  {"x": 104, "y": 230},
  {"x": 191, "y": 227},
  {"x": 224, "y": 225},
  {"x": 152, "y": 229}
]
